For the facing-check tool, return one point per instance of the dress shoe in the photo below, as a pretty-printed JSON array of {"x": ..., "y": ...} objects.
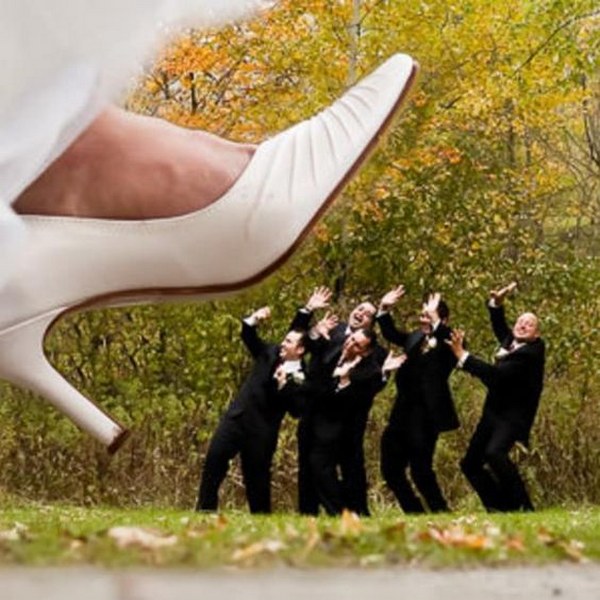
[{"x": 73, "y": 263}]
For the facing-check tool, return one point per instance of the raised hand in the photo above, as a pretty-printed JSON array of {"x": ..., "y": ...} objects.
[
  {"x": 393, "y": 362},
  {"x": 262, "y": 314},
  {"x": 280, "y": 376},
  {"x": 498, "y": 295},
  {"x": 431, "y": 306},
  {"x": 319, "y": 298},
  {"x": 456, "y": 342},
  {"x": 391, "y": 298},
  {"x": 323, "y": 327}
]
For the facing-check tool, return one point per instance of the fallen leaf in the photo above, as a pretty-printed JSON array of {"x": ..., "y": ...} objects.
[
  {"x": 264, "y": 546},
  {"x": 126, "y": 537},
  {"x": 313, "y": 538},
  {"x": 17, "y": 533},
  {"x": 350, "y": 524},
  {"x": 515, "y": 543},
  {"x": 574, "y": 550}
]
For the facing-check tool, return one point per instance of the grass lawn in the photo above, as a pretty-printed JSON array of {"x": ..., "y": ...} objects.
[{"x": 39, "y": 534}]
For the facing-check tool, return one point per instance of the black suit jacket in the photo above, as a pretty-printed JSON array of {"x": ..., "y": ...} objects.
[
  {"x": 514, "y": 382},
  {"x": 423, "y": 378},
  {"x": 345, "y": 411},
  {"x": 325, "y": 353},
  {"x": 259, "y": 403},
  {"x": 340, "y": 414}
]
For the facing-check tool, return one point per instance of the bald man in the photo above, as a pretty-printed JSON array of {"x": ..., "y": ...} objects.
[{"x": 514, "y": 386}]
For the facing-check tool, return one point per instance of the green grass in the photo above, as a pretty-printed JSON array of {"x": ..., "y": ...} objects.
[{"x": 35, "y": 534}]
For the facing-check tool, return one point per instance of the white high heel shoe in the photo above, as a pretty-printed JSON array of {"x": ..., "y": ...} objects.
[{"x": 73, "y": 264}]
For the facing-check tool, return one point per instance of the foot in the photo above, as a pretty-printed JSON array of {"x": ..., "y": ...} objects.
[{"x": 127, "y": 166}]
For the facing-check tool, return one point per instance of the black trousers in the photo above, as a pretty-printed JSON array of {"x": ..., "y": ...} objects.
[
  {"x": 352, "y": 468},
  {"x": 256, "y": 452},
  {"x": 408, "y": 448},
  {"x": 489, "y": 469},
  {"x": 308, "y": 499},
  {"x": 335, "y": 475},
  {"x": 324, "y": 461}
]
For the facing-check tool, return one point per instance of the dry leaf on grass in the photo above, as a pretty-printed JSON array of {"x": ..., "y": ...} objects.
[
  {"x": 572, "y": 548},
  {"x": 17, "y": 533},
  {"x": 264, "y": 546},
  {"x": 127, "y": 537},
  {"x": 457, "y": 537},
  {"x": 350, "y": 524}
]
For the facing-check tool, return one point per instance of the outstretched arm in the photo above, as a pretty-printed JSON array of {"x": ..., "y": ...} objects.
[
  {"x": 250, "y": 336},
  {"x": 392, "y": 363},
  {"x": 385, "y": 320},
  {"x": 318, "y": 299},
  {"x": 391, "y": 298},
  {"x": 496, "y": 307}
]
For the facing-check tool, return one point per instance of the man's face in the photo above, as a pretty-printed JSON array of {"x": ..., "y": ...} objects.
[
  {"x": 362, "y": 316},
  {"x": 291, "y": 347},
  {"x": 526, "y": 328},
  {"x": 424, "y": 321},
  {"x": 356, "y": 344}
]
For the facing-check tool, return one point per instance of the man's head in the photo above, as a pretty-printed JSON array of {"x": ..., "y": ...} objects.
[
  {"x": 293, "y": 345},
  {"x": 526, "y": 328},
  {"x": 425, "y": 321},
  {"x": 359, "y": 343},
  {"x": 362, "y": 316}
]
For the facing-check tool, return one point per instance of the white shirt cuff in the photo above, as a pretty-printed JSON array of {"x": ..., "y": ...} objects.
[
  {"x": 461, "y": 361},
  {"x": 251, "y": 321}
]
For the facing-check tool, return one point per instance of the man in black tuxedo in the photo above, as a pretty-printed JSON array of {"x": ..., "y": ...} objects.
[
  {"x": 514, "y": 385},
  {"x": 343, "y": 399},
  {"x": 326, "y": 340},
  {"x": 423, "y": 407},
  {"x": 251, "y": 424}
]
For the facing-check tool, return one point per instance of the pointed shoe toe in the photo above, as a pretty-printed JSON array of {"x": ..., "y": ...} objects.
[{"x": 72, "y": 263}]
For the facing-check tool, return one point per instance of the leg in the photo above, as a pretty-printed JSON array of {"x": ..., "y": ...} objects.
[
  {"x": 257, "y": 457},
  {"x": 422, "y": 443},
  {"x": 473, "y": 466},
  {"x": 353, "y": 471},
  {"x": 225, "y": 444},
  {"x": 308, "y": 499},
  {"x": 506, "y": 473},
  {"x": 354, "y": 481},
  {"x": 394, "y": 461},
  {"x": 323, "y": 463}
]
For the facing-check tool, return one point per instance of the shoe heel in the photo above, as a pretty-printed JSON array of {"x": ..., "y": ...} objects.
[{"x": 24, "y": 363}]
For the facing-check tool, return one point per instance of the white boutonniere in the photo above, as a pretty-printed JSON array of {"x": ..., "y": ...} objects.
[
  {"x": 298, "y": 377},
  {"x": 502, "y": 352},
  {"x": 429, "y": 343}
]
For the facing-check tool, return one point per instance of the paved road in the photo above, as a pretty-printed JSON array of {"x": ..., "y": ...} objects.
[{"x": 556, "y": 583}]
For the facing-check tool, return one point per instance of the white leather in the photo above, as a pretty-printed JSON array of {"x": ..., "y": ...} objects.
[{"x": 68, "y": 261}]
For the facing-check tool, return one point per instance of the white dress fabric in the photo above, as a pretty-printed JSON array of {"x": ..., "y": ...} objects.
[{"x": 62, "y": 62}]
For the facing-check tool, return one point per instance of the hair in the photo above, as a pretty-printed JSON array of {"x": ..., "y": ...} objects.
[
  {"x": 443, "y": 311},
  {"x": 371, "y": 336},
  {"x": 303, "y": 339}
]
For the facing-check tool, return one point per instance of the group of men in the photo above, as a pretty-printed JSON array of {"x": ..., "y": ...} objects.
[{"x": 326, "y": 373}]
